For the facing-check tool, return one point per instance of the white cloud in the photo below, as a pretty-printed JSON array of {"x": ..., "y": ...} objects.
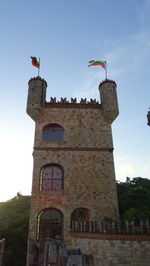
[
  {"x": 131, "y": 167},
  {"x": 124, "y": 167}
]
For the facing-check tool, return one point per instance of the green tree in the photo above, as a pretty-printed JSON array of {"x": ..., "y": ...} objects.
[
  {"x": 14, "y": 222},
  {"x": 134, "y": 198}
]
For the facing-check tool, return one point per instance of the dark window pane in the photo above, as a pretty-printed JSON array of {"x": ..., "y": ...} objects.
[
  {"x": 57, "y": 173},
  {"x": 53, "y": 133},
  {"x": 51, "y": 224},
  {"x": 57, "y": 184},
  {"x": 80, "y": 214},
  {"x": 51, "y": 178},
  {"x": 47, "y": 184}
]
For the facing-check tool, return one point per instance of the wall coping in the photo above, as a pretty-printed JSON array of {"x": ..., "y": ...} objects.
[
  {"x": 72, "y": 149},
  {"x": 105, "y": 236},
  {"x": 73, "y": 105}
]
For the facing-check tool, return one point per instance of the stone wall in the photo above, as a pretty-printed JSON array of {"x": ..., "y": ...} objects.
[
  {"x": 114, "y": 250},
  {"x": 83, "y": 127},
  {"x": 87, "y": 159}
]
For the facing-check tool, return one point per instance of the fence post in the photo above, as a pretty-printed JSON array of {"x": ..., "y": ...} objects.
[
  {"x": 2, "y": 244},
  {"x": 127, "y": 226}
]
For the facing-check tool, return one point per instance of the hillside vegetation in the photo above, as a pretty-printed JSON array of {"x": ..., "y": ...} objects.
[
  {"x": 14, "y": 222},
  {"x": 134, "y": 199}
]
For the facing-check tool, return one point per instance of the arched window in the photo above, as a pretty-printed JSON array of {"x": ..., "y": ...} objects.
[
  {"x": 52, "y": 177},
  {"x": 53, "y": 133},
  {"x": 80, "y": 214},
  {"x": 50, "y": 224}
]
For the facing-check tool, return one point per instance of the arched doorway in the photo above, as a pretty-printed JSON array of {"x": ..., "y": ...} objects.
[{"x": 50, "y": 224}]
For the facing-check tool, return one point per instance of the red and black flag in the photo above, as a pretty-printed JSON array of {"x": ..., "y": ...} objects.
[{"x": 35, "y": 62}]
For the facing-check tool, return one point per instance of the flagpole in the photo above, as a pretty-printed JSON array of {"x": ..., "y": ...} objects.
[
  {"x": 106, "y": 70},
  {"x": 39, "y": 68}
]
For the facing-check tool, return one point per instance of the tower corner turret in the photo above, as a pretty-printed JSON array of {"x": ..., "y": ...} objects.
[
  {"x": 108, "y": 95},
  {"x": 36, "y": 97}
]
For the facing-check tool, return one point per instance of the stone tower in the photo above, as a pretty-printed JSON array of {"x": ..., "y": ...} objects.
[{"x": 73, "y": 172}]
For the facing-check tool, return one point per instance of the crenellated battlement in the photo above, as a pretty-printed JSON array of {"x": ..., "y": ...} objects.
[
  {"x": 35, "y": 79},
  {"x": 107, "y": 81},
  {"x": 37, "y": 100},
  {"x": 73, "y": 100}
]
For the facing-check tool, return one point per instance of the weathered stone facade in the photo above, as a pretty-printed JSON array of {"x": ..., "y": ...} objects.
[
  {"x": 85, "y": 154},
  {"x": 115, "y": 250}
]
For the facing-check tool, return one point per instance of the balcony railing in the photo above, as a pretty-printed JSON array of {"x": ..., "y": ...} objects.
[{"x": 111, "y": 227}]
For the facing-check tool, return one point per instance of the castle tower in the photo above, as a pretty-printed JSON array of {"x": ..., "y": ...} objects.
[{"x": 73, "y": 172}]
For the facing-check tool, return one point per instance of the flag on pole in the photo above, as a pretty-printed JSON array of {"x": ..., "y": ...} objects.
[
  {"x": 35, "y": 62},
  {"x": 101, "y": 63},
  {"x": 97, "y": 63}
]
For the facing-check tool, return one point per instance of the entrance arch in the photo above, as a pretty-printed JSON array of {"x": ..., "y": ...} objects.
[{"x": 50, "y": 224}]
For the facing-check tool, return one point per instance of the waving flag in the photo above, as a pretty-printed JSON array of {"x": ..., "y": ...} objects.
[
  {"x": 101, "y": 63},
  {"x": 35, "y": 62},
  {"x": 97, "y": 63}
]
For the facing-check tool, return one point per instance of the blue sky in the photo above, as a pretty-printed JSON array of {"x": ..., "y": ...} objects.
[{"x": 66, "y": 34}]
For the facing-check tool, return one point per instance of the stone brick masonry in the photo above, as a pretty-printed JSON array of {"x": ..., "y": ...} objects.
[
  {"x": 86, "y": 156},
  {"x": 112, "y": 250}
]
